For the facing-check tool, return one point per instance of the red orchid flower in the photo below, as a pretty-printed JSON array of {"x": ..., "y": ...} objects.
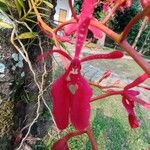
[
  {"x": 71, "y": 93},
  {"x": 128, "y": 102},
  {"x": 61, "y": 38},
  {"x": 86, "y": 12},
  {"x": 129, "y": 98}
]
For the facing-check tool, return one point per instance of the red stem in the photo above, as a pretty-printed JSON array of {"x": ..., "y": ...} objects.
[
  {"x": 106, "y": 95},
  {"x": 144, "y": 87},
  {"x": 111, "y": 55},
  {"x": 137, "y": 81},
  {"x": 109, "y": 32},
  {"x": 72, "y": 10},
  {"x": 72, "y": 134},
  {"x": 63, "y": 24},
  {"x": 125, "y": 45},
  {"x": 140, "y": 61},
  {"x": 111, "y": 13},
  {"x": 134, "y": 20},
  {"x": 103, "y": 87},
  {"x": 50, "y": 52},
  {"x": 91, "y": 137}
]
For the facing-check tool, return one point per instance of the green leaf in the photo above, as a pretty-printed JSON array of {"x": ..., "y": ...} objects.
[
  {"x": 64, "y": 47},
  {"x": 43, "y": 8},
  {"x": 27, "y": 35},
  {"x": 5, "y": 25},
  {"x": 48, "y": 4},
  {"x": 3, "y": 1},
  {"x": 21, "y": 3},
  {"x": 8, "y": 3},
  {"x": 3, "y": 6},
  {"x": 19, "y": 8}
]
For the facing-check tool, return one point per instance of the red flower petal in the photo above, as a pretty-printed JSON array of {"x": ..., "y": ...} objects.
[
  {"x": 70, "y": 29},
  {"x": 143, "y": 103},
  {"x": 87, "y": 9},
  {"x": 112, "y": 55},
  {"x": 60, "y": 145},
  {"x": 80, "y": 104},
  {"x": 131, "y": 93},
  {"x": 64, "y": 39},
  {"x": 133, "y": 120},
  {"x": 137, "y": 81},
  {"x": 96, "y": 32},
  {"x": 131, "y": 115},
  {"x": 81, "y": 35},
  {"x": 61, "y": 97}
]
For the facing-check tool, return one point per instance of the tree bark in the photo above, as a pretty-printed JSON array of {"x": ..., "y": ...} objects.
[{"x": 16, "y": 111}]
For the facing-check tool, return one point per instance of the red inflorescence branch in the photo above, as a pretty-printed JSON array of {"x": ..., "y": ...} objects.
[{"x": 72, "y": 103}]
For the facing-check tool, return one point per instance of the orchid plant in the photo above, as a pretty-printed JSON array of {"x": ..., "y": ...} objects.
[{"x": 72, "y": 103}]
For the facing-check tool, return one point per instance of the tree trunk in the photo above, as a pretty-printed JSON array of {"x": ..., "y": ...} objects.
[{"x": 18, "y": 93}]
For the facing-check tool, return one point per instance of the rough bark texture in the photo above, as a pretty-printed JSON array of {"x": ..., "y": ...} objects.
[
  {"x": 6, "y": 79},
  {"x": 16, "y": 108}
]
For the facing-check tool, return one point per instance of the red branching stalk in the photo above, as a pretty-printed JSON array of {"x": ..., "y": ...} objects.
[
  {"x": 106, "y": 95},
  {"x": 78, "y": 103},
  {"x": 140, "y": 61},
  {"x": 109, "y": 32},
  {"x": 125, "y": 45},
  {"x": 48, "y": 30},
  {"x": 112, "y": 11},
  {"x": 62, "y": 143},
  {"x": 72, "y": 10},
  {"x": 59, "y": 27},
  {"x": 91, "y": 137},
  {"x": 102, "y": 87},
  {"x": 73, "y": 134},
  {"x": 140, "y": 15}
]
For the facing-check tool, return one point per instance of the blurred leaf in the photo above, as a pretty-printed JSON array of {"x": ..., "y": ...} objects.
[
  {"x": 21, "y": 3},
  {"x": 27, "y": 19},
  {"x": 3, "y": 1},
  {"x": 19, "y": 8},
  {"x": 44, "y": 15},
  {"x": 27, "y": 35},
  {"x": 48, "y": 4},
  {"x": 5, "y": 25},
  {"x": 3, "y": 6},
  {"x": 8, "y": 3},
  {"x": 43, "y": 8},
  {"x": 65, "y": 47}
]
